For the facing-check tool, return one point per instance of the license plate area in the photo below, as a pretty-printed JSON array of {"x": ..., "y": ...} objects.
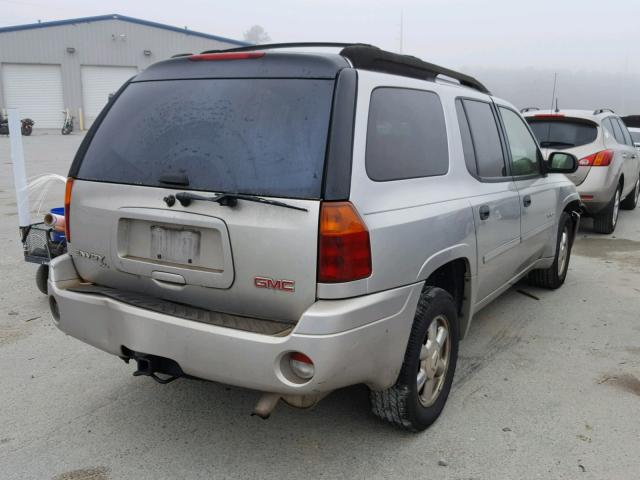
[
  {"x": 177, "y": 246},
  {"x": 196, "y": 247}
]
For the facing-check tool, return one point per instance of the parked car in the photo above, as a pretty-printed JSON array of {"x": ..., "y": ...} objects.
[
  {"x": 633, "y": 124},
  {"x": 297, "y": 222},
  {"x": 608, "y": 177}
]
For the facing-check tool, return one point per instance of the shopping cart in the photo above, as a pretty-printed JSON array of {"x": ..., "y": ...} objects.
[{"x": 41, "y": 244}]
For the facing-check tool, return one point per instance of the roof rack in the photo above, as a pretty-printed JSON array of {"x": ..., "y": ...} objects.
[
  {"x": 369, "y": 57},
  {"x": 603, "y": 110},
  {"x": 529, "y": 109},
  {"x": 373, "y": 58}
]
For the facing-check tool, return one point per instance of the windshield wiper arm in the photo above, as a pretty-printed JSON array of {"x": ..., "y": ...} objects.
[{"x": 231, "y": 200}]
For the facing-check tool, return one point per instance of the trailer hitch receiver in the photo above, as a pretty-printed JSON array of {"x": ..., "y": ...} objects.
[{"x": 152, "y": 365}]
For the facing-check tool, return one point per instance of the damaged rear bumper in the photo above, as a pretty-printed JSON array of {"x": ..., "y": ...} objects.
[{"x": 351, "y": 341}]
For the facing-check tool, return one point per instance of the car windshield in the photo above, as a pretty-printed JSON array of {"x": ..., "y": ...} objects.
[
  {"x": 252, "y": 136},
  {"x": 562, "y": 133}
]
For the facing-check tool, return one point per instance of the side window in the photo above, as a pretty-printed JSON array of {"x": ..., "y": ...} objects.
[
  {"x": 482, "y": 147},
  {"x": 608, "y": 128},
  {"x": 406, "y": 135},
  {"x": 625, "y": 132},
  {"x": 467, "y": 142},
  {"x": 522, "y": 145},
  {"x": 617, "y": 131}
]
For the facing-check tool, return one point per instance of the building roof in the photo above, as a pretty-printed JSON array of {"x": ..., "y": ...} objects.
[{"x": 124, "y": 18}]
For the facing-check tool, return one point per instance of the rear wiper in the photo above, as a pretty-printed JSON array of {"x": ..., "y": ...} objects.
[{"x": 229, "y": 200}]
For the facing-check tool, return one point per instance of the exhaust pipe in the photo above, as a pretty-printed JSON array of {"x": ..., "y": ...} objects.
[{"x": 266, "y": 405}]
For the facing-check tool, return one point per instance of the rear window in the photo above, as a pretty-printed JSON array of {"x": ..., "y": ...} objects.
[
  {"x": 562, "y": 133},
  {"x": 406, "y": 135},
  {"x": 254, "y": 136}
]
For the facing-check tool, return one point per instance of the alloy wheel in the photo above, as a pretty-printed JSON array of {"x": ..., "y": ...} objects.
[{"x": 434, "y": 361}]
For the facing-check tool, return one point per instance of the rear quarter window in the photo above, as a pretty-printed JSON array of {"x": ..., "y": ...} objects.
[{"x": 406, "y": 135}]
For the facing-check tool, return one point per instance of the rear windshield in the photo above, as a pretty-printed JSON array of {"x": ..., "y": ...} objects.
[
  {"x": 562, "y": 133},
  {"x": 254, "y": 136}
]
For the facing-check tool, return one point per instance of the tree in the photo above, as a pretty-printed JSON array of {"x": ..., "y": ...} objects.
[{"x": 257, "y": 35}]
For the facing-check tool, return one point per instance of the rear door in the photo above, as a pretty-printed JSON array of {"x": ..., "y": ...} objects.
[
  {"x": 259, "y": 137},
  {"x": 538, "y": 194},
  {"x": 496, "y": 206}
]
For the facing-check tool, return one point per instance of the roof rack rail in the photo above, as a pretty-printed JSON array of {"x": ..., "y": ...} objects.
[
  {"x": 602, "y": 110},
  {"x": 274, "y": 46},
  {"x": 369, "y": 57},
  {"x": 529, "y": 109},
  {"x": 373, "y": 58},
  {"x": 177, "y": 55}
]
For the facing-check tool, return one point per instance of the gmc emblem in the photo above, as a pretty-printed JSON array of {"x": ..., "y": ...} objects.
[{"x": 283, "y": 285}]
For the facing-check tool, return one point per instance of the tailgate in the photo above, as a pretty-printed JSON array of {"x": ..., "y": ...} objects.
[
  {"x": 251, "y": 260},
  {"x": 259, "y": 137}
]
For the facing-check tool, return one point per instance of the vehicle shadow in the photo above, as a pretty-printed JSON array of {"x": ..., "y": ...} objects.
[{"x": 199, "y": 426}]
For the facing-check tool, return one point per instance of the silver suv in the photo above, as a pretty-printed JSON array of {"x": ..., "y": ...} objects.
[
  {"x": 297, "y": 222},
  {"x": 608, "y": 177}
]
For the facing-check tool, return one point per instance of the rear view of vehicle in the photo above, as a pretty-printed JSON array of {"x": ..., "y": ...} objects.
[
  {"x": 608, "y": 177},
  {"x": 206, "y": 209}
]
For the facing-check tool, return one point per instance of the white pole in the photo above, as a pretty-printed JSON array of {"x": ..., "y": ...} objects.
[{"x": 19, "y": 171}]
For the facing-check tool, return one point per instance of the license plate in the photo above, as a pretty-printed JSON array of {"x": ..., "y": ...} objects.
[{"x": 175, "y": 245}]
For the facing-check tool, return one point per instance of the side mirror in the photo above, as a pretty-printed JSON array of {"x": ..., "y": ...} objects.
[{"x": 560, "y": 162}]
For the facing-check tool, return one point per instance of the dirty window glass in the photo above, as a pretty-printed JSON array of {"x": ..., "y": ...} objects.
[
  {"x": 253, "y": 136},
  {"x": 406, "y": 135}
]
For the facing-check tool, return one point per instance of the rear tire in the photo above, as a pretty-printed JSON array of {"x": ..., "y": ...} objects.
[
  {"x": 421, "y": 390},
  {"x": 42, "y": 276},
  {"x": 554, "y": 276},
  {"x": 606, "y": 221},
  {"x": 631, "y": 200}
]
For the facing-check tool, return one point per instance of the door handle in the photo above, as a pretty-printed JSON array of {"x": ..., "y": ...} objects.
[
  {"x": 485, "y": 212},
  {"x": 526, "y": 201}
]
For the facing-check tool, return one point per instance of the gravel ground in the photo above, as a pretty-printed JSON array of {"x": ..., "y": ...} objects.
[{"x": 545, "y": 388}]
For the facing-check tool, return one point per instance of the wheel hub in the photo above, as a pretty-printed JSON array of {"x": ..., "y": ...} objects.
[{"x": 434, "y": 361}]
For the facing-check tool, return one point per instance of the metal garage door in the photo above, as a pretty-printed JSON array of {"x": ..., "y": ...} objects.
[
  {"x": 97, "y": 84},
  {"x": 36, "y": 90}
]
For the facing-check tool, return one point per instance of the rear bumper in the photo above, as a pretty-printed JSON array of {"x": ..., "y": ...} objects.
[
  {"x": 358, "y": 340},
  {"x": 597, "y": 189}
]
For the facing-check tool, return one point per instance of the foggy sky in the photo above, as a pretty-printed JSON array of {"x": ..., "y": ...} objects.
[{"x": 514, "y": 47}]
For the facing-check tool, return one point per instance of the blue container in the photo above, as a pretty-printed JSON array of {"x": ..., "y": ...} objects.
[{"x": 55, "y": 235}]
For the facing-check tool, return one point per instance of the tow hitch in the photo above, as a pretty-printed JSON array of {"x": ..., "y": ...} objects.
[{"x": 152, "y": 365}]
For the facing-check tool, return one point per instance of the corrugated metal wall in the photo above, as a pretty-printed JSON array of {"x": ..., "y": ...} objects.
[{"x": 107, "y": 42}]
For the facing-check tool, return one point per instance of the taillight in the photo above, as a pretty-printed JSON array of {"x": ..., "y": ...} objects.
[
  {"x": 549, "y": 115},
  {"x": 344, "y": 252},
  {"x": 600, "y": 159},
  {"x": 67, "y": 207},
  {"x": 208, "y": 57}
]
